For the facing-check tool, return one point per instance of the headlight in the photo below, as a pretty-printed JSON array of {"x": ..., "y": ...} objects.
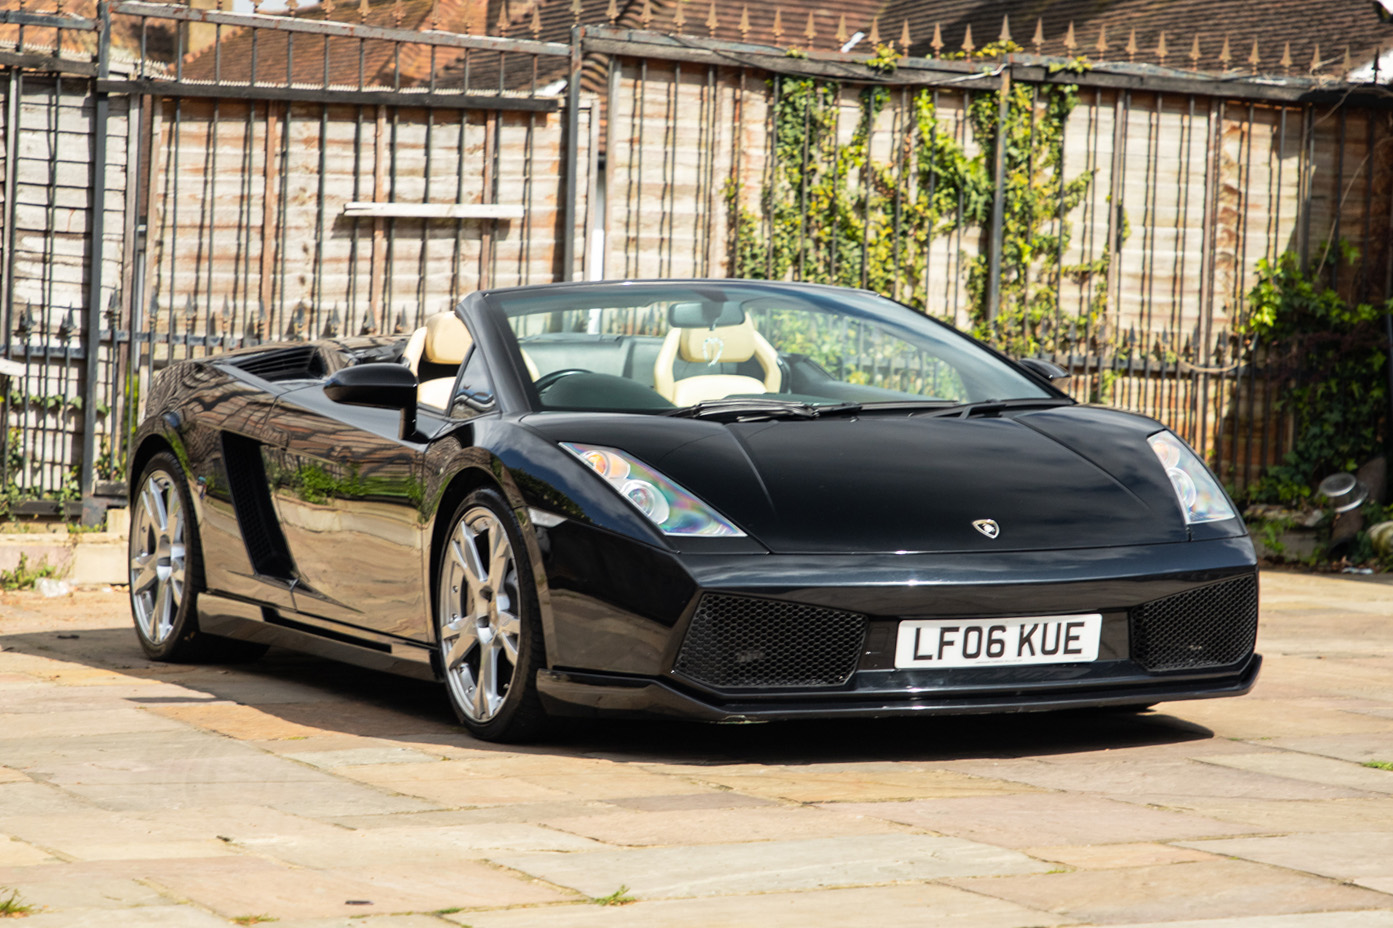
[
  {"x": 668, "y": 506},
  {"x": 1199, "y": 494}
]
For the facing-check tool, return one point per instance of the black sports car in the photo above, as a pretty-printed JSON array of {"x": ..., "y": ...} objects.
[{"x": 719, "y": 500}]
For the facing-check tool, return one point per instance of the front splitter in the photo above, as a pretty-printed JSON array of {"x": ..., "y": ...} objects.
[{"x": 596, "y": 695}]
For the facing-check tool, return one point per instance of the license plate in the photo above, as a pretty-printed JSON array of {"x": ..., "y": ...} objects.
[{"x": 1050, "y": 639}]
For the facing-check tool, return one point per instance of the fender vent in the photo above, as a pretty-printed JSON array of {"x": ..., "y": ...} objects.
[
  {"x": 734, "y": 641},
  {"x": 1212, "y": 626},
  {"x": 251, "y": 500}
]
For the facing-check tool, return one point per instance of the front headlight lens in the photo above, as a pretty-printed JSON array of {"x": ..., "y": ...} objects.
[
  {"x": 1199, "y": 494},
  {"x": 667, "y": 505}
]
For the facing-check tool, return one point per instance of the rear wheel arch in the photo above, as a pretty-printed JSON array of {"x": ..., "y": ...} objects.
[{"x": 147, "y": 449}]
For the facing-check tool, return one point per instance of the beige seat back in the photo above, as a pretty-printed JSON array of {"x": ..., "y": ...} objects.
[
  {"x": 722, "y": 344},
  {"x": 444, "y": 341}
]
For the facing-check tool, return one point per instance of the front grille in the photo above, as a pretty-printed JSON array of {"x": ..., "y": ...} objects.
[
  {"x": 738, "y": 642},
  {"x": 1208, "y": 627}
]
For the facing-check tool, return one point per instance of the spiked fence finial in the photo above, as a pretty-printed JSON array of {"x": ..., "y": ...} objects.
[
  {"x": 711, "y": 22},
  {"x": 645, "y": 15},
  {"x": 810, "y": 30},
  {"x": 937, "y": 43},
  {"x": 1038, "y": 40},
  {"x": 841, "y": 33},
  {"x": 1070, "y": 43},
  {"x": 744, "y": 22},
  {"x": 778, "y": 29},
  {"x": 1195, "y": 54},
  {"x": 1286, "y": 58},
  {"x": 1224, "y": 55},
  {"x": 536, "y": 25},
  {"x": 679, "y": 16},
  {"x": 576, "y": 10},
  {"x": 502, "y": 18},
  {"x": 967, "y": 42},
  {"x": 1005, "y": 29},
  {"x": 1254, "y": 58},
  {"x": 612, "y": 12},
  {"x": 1102, "y": 45},
  {"x": 1315, "y": 59},
  {"x": 1161, "y": 50},
  {"x": 875, "y": 33},
  {"x": 363, "y": 10},
  {"x": 904, "y": 37}
]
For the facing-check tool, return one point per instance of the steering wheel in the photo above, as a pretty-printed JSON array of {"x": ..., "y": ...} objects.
[{"x": 547, "y": 381}]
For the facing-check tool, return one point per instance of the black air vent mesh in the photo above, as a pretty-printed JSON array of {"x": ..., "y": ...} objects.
[
  {"x": 734, "y": 641},
  {"x": 1209, "y": 627}
]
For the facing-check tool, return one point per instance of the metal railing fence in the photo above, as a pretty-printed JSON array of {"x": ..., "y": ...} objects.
[{"x": 181, "y": 181}]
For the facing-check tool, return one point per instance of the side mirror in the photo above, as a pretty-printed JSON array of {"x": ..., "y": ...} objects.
[
  {"x": 1043, "y": 368},
  {"x": 381, "y": 384}
]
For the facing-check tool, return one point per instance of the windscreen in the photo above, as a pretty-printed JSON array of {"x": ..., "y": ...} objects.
[{"x": 652, "y": 347}]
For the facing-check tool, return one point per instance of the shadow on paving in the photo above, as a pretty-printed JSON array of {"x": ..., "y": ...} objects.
[{"x": 416, "y": 712}]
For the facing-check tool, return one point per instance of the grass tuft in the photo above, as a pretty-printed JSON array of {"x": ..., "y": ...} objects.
[
  {"x": 12, "y": 907},
  {"x": 619, "y": 897}
]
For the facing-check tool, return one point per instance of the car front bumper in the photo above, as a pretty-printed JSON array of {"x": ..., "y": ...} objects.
[{"x": 733, "y": 636}]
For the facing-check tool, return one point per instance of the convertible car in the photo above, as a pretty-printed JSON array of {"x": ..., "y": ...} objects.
[{"x": 721, "y": 500}]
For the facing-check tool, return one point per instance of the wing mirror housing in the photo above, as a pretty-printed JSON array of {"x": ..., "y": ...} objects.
[
  {"x": 1043, "y": 368},
  {"x": 383, "y": 384}
]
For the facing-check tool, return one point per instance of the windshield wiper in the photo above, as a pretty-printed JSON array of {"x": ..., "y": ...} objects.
[
  {"x": 993, "y": 407},
  {"x": 755, "y": 409}
]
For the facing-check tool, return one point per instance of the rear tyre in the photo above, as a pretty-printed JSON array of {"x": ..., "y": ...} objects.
[
  {"x": 487, "y": 624},
  {"x": 165, "y": 571}
]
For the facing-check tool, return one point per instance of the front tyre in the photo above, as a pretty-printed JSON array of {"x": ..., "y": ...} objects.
[
  {"x": 165, "y": 571},
  {"x": 488, "y": 630}
]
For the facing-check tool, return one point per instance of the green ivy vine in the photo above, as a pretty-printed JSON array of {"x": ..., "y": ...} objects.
[
  {"x": 1330, "y": 355},
  {"x": 832, "y": 213}
]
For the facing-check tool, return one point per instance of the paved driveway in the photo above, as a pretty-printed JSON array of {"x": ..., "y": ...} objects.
[{"x": 136, "y": 794}]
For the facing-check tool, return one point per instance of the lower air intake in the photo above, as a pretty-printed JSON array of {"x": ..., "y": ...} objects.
[
  {"x": 1212, "y": 626},
  {"x": 738, "y": 642}
]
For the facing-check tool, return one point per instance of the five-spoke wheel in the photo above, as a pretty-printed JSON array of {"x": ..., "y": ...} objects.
[
  {"x": 164, "y": 571},
  {"x": 489, "y": 640},
  {"x": 158, "y": 556}
]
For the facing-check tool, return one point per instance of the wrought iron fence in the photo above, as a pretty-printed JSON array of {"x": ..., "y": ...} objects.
[{"x": 181, "y": 181}]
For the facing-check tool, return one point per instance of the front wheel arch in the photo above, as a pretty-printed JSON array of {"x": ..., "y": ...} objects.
[{"x": 492, "y": 596}]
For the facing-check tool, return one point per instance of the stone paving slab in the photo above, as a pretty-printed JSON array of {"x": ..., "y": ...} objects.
[
  {"x": 1052, "y": 818},
  {"x": 1203, "y": 889},
  {"x": 135, "y": 793},
  {"x": 1361, "y": 857},
  {"x": 1361, "y": 919},
  {"x": 723, "y": 826},
  {"x": 900, "y": 906},
  {"x": 772, "y": 866},
  {"x": 1310, "y": 768}
]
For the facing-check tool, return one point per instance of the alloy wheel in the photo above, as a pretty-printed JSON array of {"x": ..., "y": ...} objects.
[
  {"x": 479, "y": 614},
  {"x": 157, "y": 557}
]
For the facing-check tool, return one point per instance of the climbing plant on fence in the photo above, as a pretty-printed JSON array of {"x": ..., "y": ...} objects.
[
  {"x": 831, "y": 213},
  {"x": 1331, "y": 356}
]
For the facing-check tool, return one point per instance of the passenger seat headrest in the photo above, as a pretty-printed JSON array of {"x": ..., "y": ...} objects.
[{"x": 447, "y": 340}]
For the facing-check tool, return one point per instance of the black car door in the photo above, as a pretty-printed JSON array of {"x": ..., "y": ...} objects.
[{"x": 346, "y": 487}]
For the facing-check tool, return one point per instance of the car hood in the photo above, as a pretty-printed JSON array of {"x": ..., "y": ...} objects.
[{"x": 1063, "y": 478}]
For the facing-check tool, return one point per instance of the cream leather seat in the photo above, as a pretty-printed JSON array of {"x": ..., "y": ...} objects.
[
  {"x": 442, "y": 342},
  {"x": 725, "y": 344}
]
